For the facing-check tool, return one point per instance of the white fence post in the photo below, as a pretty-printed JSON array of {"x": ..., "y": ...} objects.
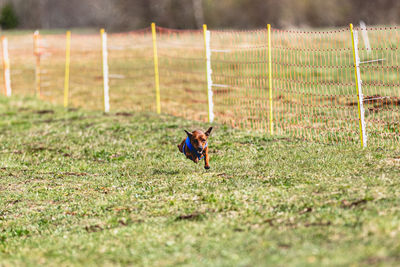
[
  {"x": 359, "y": 87},
  {"x": 37, "y": 50},
  {"x": 6, "y": 63},
  {"x": 207, "y": 37},
  {"x": 105, "y": 71},
  {"x": 365, "y": 36}
]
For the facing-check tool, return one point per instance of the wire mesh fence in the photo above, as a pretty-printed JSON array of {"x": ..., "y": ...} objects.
[
  {"x": 49, "y": 53},
  {"x": 86, "y": 76},
  {"x": 240, "y": 78},
  {"x": 22, "y": 64},
  {"x": 131, "y": 71},
  {"x": 314, "y": 86},
  {"x": 379, "y": 67},
  {"x": 182, "y": 73},
  {"x": 302, "y": 84}
]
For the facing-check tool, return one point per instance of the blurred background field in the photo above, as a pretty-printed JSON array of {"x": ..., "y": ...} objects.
[{"x": 125, "y": 15}]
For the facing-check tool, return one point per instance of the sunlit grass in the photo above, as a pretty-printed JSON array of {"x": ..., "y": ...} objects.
[{"x": 87, "y": 188}]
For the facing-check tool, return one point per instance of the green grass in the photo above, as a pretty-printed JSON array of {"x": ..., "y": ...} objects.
[{"x": 84, "y": 188}]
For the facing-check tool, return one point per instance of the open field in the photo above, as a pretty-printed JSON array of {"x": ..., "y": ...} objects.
[
  {"x": 84, "y": 188},
  {"x": 314, "y": 94}
]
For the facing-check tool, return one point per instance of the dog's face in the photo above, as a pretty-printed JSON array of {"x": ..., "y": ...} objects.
[{"x": 199, "y": 139}]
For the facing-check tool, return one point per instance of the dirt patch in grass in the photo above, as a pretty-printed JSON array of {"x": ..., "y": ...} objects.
[
  {"x": 124, "y": 114},
  {"x": 393, "y": 161},
  {"x": 306, "y": 210},
  {"x": 71, "y": 173},
  {"x": 348, "y": 204},
  {"x": 379, "y": 102},
  {"x": 45, "y": 111},
  {"x": 196, "y": 216},
  {"x": 93, "y": 228}
]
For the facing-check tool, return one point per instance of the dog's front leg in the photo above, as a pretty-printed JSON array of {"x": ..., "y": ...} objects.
[{"x": 206, "y": 159}]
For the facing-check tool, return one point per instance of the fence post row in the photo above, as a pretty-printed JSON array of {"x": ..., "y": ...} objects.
[
  {"x": 156, "y": 75},
  {"x": 36, "y": 51},
  {"x": 105, "y": 70},
  {"x": 360, "y": 97},
  {"x": 67, "y": 67},
  {"x": 6, "y": 64},
  {"x": 207, "y": 49}
]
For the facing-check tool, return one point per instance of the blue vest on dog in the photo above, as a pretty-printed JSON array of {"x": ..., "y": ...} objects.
[{"x": 191, "y": 148}]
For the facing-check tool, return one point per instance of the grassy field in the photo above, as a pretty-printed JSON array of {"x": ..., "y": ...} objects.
[{"x": 85, "y": 188}]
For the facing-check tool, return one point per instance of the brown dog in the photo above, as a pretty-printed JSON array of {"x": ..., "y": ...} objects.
[{"x": 195, "y": 146}]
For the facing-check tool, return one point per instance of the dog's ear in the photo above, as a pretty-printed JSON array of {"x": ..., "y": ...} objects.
[
  {"x": 208, "y": 132},
  {"x": 188, "y": 133}
]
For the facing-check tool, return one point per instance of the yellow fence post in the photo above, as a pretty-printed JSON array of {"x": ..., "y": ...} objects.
[
  {"x": 67, "y": 65},
  {"x": 36, "y": 49},
  {"x": 361, "y": 121},
  {"x": 271, "y": 122},
  {"x": 156, "y": 75},
  {"x": 6, "y": 66}
]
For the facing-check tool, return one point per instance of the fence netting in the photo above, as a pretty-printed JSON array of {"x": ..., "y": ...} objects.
[
  {"x": 380, "y": 76},
  {"x": 86, "y": 75},
  {"x": 49, "y": 56},
  {"x": 183, "y": 85},
  {"x": 314, "y": 85},
  {"x": 130, "y": 59},
  {"x": 240, "y": 78},
  {"x": 22, "y": 64},
  {"x": 314, "y": 91}
]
